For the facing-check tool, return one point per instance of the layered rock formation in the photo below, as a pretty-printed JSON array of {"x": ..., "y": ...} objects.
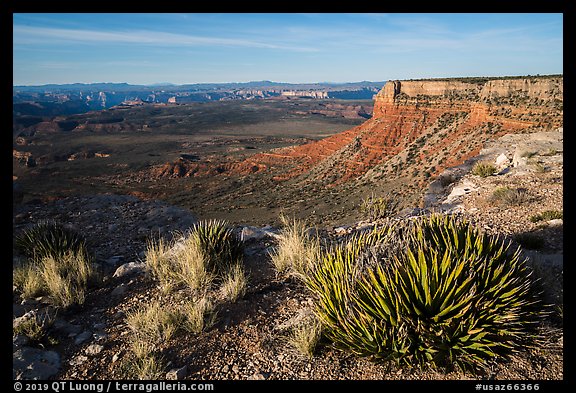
[{"x": 420, "y": 128}]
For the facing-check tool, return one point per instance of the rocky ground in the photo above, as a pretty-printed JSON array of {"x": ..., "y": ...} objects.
[{"x": 249, "y": 340}]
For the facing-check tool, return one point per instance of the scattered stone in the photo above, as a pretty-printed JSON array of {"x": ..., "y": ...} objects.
[
  {"x": 29, "y": 302},
  {"x": 177, "y": 374},
  {"x": 116, "y": 356},
  {"x": 115, "y": 260},
  {"x": 256, "y": 233},
  {"x": 235, "y": 369},
  {"x": 119, "y": 315},
  {"x": 119, "y": 290},
  {"x": 100, "y": 336},
  {"x": 34, "y": 363},
  {"x": 518, "y": 160},
  {"x": 23, "y": 319},
  {"x": 341, "y": 230},
  {"x": 258, "y": 376},
  {"x": 94, "y": 349},
  {"x": 82, "y": 337},
  {"x": 129, "y": 269},
  {"x": 557, "y": 222},
  {"x": 411, "y": 212},
  {"x": 78, "y": 360},
  {"x": 18, "y": 310},
  {"x": 20, "y": 340},
  {"x": 67, "y": 327}
]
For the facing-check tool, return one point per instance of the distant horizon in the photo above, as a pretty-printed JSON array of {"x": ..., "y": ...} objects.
[
  {"x": 161, "y": 84},
  {"x": 143, "y": 48},
  {"x": 206, "y": 83}
]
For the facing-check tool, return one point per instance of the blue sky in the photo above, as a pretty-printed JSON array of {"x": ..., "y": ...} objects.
[{"x": 204, "y": 48}]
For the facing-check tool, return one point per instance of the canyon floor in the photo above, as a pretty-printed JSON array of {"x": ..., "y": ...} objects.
[
  {"x": 248, "y": 340},
  {"x": 124, "y": 151}
]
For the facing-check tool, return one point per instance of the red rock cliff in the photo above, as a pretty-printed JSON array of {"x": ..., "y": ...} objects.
[
  {"x": 418, "y": 128},
  {"x": 422, "y": 127}
]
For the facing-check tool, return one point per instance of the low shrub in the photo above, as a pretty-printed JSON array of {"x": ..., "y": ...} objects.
[
  {"x": 547, "y": 215},
  {"x": 510, "y": 196},
  {"x": 484, "y": 169},
  {"x": 379, "y": 207}
]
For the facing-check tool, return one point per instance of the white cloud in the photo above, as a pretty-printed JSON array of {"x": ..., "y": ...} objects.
[{"x": 33, "y": 35}]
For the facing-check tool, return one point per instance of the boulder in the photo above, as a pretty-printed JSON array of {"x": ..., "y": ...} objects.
[
  {"x": 86, "y": 335},
  {"x": 129, "y": 269},
  {"x": 34, "y": 363},
  {"x": 177, "y": 373},
  {"x": 502, "y": 161},
  {"x": 93, "y": 349},
  {"x": 256, "y": 233},
  {"x": 518, "y": 160},
  {"x": 119, "y": 290}
]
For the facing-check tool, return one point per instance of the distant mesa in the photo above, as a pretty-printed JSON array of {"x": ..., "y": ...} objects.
[
  {"x": 307, "y": 94},
  {"x": 418, "y": 128},
  {"x": 53, "y": 100}
]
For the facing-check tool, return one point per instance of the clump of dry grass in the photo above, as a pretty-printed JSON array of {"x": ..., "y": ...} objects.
[
  {"x": 510, "y": 196},
  {"x": 547, "y": 215},
  {"x": 379, "y": 207},
  {"x": 199, "y": 315},
  {"x": 209, "y": 253},
  {"x": 159, "y": 263},
  {"x": 153, "y": 323},
  {"x": 234, "y": 284},
  {"x": 144, "y": 363},
  {"x": 63, "y": 278},
  {"x": 150, "y": 325},
  {"x": 181, "y": 263},
  {"x": 297, "y": 250},
  {"x": 35, "y": 327},
  {"x": 305, "y": 337},
  {"x": 191, "y": 265},
  {"x": 28, "y": 280},
  {"x": 196, "y": 259},
  {"x": 484, "y": 169}
]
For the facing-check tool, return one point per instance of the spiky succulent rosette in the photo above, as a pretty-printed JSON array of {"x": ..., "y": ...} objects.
[
  {"x": 436, "y": 291},
  {"x": 49, "y": 239},
  {"x": 219, "y": 243}
]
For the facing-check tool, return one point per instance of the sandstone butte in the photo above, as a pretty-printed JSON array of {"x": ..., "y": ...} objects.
[{"x": 423, "y": 126}]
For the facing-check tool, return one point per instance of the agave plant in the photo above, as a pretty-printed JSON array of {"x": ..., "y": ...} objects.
[
  {"x": 450, "y": 295},
  {"x": 49, "y": 239},
  {"x": 221, "y": 246}
]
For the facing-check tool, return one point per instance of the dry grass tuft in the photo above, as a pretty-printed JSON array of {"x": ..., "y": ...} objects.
[
  {"x": 297, "y": 250},
  {"x": 153, "y": 323},
  {"x": 510, "y": 196},
  {"x": 64, "y": 279},
  {"x": 234, "y": 284},
  {"x": 305, "y": 337},
  {"x": 199, "y": 315},
  {"x": 484, "y": 169}
]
